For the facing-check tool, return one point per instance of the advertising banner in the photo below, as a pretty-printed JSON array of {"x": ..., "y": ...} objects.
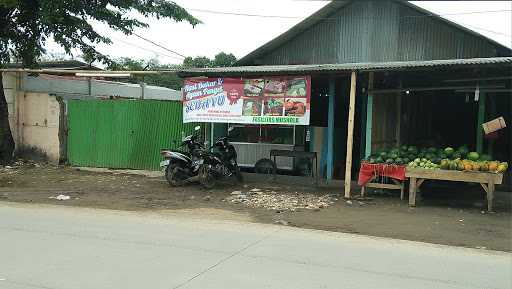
[{"x": 263, "y": 100}]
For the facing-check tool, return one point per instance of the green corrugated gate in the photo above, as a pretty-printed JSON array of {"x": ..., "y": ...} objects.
[{"x": 122, "y": 133}]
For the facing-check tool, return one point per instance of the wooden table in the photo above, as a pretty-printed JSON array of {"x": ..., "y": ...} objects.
[
  {"x": 486, "y": 179},
  {"x": 397, "y": 185}
]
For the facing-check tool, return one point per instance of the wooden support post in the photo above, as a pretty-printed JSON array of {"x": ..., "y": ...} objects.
[
  {"x": 481, "y": 117},
  {"x": 490, "y": 195},
  {"x": 369, "y": 117},
  {"x": 412, "y": 192},
  {"x": 330, "y": 130},
  {"x": 350, "y": 133}
]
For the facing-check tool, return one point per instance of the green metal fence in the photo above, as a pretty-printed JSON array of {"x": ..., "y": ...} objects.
[{"x": 123, "y": 133}]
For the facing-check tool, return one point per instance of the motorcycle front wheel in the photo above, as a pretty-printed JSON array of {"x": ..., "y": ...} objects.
[
  {"x": 206, "y": 178},
  {"x": 174, "y": 176}
]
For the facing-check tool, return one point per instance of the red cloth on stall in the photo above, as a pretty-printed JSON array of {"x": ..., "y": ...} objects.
[{"x": 368, "y": 171}]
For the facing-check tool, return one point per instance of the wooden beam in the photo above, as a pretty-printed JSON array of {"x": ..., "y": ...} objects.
[
  {"x": 369, "y": 117},
  {"x": 330, "y": 130},
  {"x": 350, "y": 133},
  {"x": 480, "y": 121}
]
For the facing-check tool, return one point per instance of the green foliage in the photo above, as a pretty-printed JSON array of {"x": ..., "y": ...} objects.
[
  {"x": 26, "y": 25},
  {"x": 168, "y": 80},
  {"x": 220, "y": 60},
  {"x": 198, "y": 62},
  {"x": 224, "y": 60}
]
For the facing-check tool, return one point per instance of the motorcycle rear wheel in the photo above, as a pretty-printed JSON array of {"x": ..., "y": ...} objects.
[{"x": 173, "y": 175}]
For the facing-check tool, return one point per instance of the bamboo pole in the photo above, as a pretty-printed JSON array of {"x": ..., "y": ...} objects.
[{"x": 350, "y": 134}]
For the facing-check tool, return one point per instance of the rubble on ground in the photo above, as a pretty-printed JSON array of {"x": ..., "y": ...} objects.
[{"x": 282, "y": 201}]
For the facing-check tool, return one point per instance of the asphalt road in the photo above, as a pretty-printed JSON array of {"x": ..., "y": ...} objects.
[{"x": 64, "y": 248}]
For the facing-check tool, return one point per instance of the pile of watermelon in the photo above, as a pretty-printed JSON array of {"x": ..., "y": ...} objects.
[
  {"x": 405, "y": 154},
  {"x": 436, "y": 158}
]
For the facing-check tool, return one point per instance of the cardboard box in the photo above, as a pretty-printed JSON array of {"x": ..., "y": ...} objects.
[{"x": 494, "y": 125}]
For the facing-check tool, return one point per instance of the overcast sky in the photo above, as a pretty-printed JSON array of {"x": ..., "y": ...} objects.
[{"x": 242, "y": 34}]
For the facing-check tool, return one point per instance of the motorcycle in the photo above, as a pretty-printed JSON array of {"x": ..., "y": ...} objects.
[
  {"x": 183, "y": 166},
  {"x": 219, "y": 164}
]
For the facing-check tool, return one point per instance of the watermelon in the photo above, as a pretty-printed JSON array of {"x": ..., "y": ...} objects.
[
  {"x": 390, "y": 161},
  {"x": 474, "y": 156},
  {"x": 449, "y": 151},
  {"x": 463, "y": 150},
  {"x": 457, "y": 155}
]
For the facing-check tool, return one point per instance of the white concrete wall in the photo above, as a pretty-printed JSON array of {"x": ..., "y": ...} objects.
[{"x": 40, "y": 118}]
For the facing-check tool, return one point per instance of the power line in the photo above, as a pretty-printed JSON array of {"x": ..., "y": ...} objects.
[
  {"x": 321, "y": 18},
  {"x": 159, "y": 45},
  {"x": 146, "y": 49},
  {"x": 245, "y": 14},
  {"x": 484, "y": 29},
  {"x": 334, "y": 18}
]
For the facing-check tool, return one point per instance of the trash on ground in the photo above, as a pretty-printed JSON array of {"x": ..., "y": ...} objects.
[
  {"x": 282, "y": 201},
  {"x": 61, "y": 197},
  {"x": 282, "y": 222}
]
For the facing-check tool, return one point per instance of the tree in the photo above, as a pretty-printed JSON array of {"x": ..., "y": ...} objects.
[
  {"x": 168, "y": 80},
  {"x": 224, "y": 60},
  {"x": 26, "y": 25},
  {"x": 197, "y": 62}
]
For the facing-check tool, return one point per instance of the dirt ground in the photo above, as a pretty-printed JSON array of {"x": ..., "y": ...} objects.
[{"x": 446, "y": 215}]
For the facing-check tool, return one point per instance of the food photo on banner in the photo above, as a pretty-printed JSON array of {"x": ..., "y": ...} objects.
[{"x": 258, "y": 100}]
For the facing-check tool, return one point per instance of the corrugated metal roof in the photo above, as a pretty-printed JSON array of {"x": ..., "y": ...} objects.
[
  {"x": 344, "y": 67},
  {"x": 331, "y": 11}
]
